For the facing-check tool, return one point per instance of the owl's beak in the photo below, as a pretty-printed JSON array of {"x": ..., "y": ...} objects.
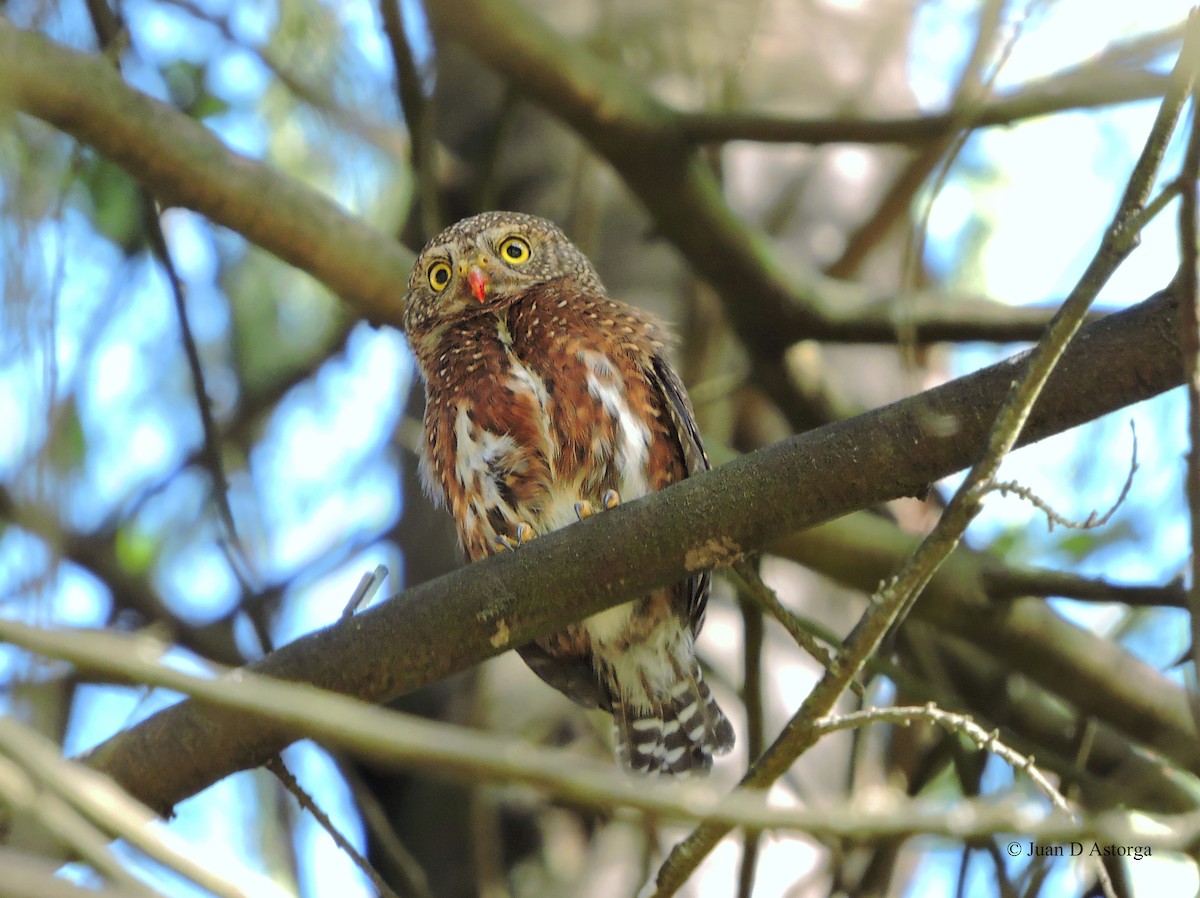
[{"x": 479, "y": 284}]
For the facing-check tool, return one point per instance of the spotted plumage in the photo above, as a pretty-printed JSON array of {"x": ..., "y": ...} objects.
[{"x": 546, "y": 401}]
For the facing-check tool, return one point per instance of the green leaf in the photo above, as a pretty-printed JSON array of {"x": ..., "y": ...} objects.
[
  {"x": 136, "y": 549},
  {"x": 68, "y": 442}
]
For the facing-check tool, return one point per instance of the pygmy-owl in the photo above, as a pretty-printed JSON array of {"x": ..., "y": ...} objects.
[{"x": 547, "y": 400}]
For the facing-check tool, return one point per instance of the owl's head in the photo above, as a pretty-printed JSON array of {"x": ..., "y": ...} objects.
[{"x": 488, "y": 260}]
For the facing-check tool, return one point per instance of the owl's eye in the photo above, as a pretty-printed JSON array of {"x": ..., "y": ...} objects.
[
  {"x": 439, "y": 276},
  {"x": 515, "y": 250}
]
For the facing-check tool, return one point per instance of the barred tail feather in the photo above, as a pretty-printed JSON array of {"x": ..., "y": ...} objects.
[{"x": 673, "y": 730}]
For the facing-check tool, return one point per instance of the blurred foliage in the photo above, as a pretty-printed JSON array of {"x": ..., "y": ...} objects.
[{"x": 100, "y": 448}]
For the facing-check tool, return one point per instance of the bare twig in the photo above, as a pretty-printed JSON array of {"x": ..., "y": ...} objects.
[
  {"x": 988, "y": 741},
  {"x": 385, "y": 136},
  {"x": 897, "y": 597},
  {"x": 108, "y": 29},
  {"x": 391, "y": 848},
  {"x": 1104, "y": 80},
  {"x": 1084, "y": 88},
  {"x": 457, "y": 752},
  {"x": 752, "y": 699},
  {"x": 767, "y": 599},
  {"x": 954, "y": 723},
  {"x": 897, "y": 199},
  {"x": 1093, "y": 520},
  {"x": 104, "y": 806},
  {"x": 418, "y": 116},
  {"x": 292, "y": 785},
  {"x": 368, "y": 585}
]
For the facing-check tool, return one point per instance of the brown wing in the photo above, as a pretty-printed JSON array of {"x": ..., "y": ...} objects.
[
  {"x": 666, "y": 382},
  {"x": 571, "y": 672}
]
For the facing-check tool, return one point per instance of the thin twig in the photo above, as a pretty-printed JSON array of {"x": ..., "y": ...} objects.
[
  {"x": 768, "y": 600},
  {"x": 984, "y": 739},
  {"x": 387, "y": 840},
  {"x": 937, "y": 158},
  {"x": 1104, "y": 80},
  {"x": 418, "y": 116},
  {"x": 1093, "y": 520},
  {"x": 752, "y": 699},
  {"x": 1083, "y": 88},
  {"x": 954, "y": 723},
  {"x": 385, "y": 136},
  {"x": 292, "y": 785},
  {"x": 467, "y": 755},
  {"x": 368, "y": 585},
  {"x": 897, "y": 597},
  {"x": 972, "y": 92},
  {"x": 108, "y": 30}
]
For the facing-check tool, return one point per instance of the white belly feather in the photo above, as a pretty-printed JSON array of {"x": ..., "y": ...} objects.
[{"x": 478, "y": 451}]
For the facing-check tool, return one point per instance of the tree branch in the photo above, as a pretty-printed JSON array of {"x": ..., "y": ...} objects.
[
  {"x": 896, "y": 596},
  {"x": 184, "y": 164},
  {"x": 861, "y": 550},
  {"x": 456, "y": 621},
  {"x": 1062, "y": 93},
  {"x": 393, "y": 738}
]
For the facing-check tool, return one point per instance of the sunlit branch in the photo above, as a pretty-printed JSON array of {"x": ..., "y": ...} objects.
[
  {"x": 185, "y": 164},
  {"x": 448, "y": 624},
  {"x": 896, "y": 596},
  {"x": 103, "y": 806},
  {"x": 1061, "y": 93},
  {"x": 392, "y": 738}
]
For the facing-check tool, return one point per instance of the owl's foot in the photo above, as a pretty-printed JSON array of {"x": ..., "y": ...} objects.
[
  {"x": 586, "y": 509},
  {"x": 524, "y": 533}
]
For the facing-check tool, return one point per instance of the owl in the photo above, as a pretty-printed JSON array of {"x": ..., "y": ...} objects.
[{"x": 548, "y": 401}]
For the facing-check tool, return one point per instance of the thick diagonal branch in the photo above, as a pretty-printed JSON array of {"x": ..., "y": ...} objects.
[{"x": 456, "y": 621}]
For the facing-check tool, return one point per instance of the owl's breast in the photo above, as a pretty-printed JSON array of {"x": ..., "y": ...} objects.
[
  {"x": 536, "y": 409},
  {"x": 607, "y": 428}
]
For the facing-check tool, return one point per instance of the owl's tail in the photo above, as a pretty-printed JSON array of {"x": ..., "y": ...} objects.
[{"x": 673, "y": 729}]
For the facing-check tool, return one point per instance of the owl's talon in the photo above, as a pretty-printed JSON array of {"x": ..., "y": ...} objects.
[
  {"x": 505, "y": 543},
  {"x": 585, "y": 509}
]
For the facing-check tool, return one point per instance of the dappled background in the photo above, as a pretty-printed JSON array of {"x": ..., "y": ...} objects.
[{"x": 111, "y": 501}]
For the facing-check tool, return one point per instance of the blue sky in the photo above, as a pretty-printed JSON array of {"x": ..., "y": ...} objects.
[{"x": 321, "y": 473}]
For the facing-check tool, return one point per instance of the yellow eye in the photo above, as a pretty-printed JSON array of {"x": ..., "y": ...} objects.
[
  {"x": 515, "y": 250},
  {"x": 439, "y": 276}
]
